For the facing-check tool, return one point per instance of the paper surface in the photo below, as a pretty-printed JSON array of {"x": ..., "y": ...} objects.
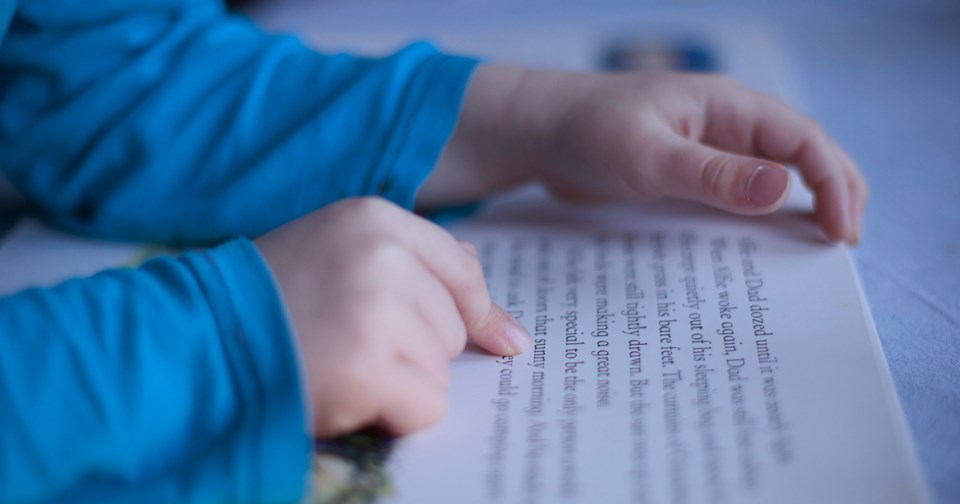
[
  {"x": 681, "y": 355},
  {"x": 32, "y": 255}
]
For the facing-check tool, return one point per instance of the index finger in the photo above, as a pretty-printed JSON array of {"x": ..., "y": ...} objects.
[{"x": 460, "y": 271}]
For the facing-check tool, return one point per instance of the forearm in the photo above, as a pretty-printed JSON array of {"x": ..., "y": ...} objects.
[{"x": 174, "y": 382}]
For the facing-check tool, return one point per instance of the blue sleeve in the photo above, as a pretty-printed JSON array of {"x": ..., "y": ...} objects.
[
  {"x": 174, "y": 382},
  {"x": 170, "y": 120}
]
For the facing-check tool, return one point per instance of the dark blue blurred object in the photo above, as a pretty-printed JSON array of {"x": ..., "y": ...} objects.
[
  {"x": 688, "y": 55},
  {"x": 7, "y": 219}
]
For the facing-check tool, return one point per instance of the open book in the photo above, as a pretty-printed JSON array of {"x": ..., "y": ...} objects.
[{"x": 680, "y": 355}]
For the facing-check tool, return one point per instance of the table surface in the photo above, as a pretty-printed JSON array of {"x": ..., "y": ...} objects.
[{"x": 884, "y": 79}]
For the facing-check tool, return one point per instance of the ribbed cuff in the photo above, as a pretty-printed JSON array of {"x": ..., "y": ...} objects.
[
  {"x": 427, "y": 121},
  {"x": 273, "y": 458}
]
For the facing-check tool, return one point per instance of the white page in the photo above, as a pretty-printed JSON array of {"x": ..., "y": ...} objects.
[
  {"x": 682, "y": 355},
  {"x": 32, "y": 255}
]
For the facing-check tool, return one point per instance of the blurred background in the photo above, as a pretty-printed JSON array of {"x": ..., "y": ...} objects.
[{"x": 883, "y": 77}]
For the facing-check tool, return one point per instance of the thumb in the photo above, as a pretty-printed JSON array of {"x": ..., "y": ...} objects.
[{"x": 739, "y": 184}]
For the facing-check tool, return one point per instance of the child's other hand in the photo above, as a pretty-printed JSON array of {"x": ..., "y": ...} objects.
[
  {"x": 381, "y": 300},
  {"x": 647, "y": 135}
]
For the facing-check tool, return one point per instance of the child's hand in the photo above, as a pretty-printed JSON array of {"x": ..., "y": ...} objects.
[
  {"x": 644, "y": 135},
  {"x": 381, "y": 300}
]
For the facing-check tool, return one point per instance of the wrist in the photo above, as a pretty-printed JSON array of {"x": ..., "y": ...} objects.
[{"x": 495, "y": 144}]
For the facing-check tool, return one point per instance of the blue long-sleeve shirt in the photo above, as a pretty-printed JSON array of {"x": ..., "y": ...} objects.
[{"x": 171, "y": 121}]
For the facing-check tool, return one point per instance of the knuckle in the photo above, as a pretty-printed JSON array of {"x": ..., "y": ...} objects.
[
  {"x": 467, "y": 275},
  {"x": 385, "y": 257},
  {"x": 711, "y": 180},
  {"x": 724, "y": 80},
  {"x": 469, "y": 247},
  {"x": 373, "y": 211},
  {"x": 646, "y": 179},
  {"x": 815, "y": 128},
  {"x": 776, "y": 103},
  {"x": 718, "y": 82},
  {"x": 471, "y": 270},
  {"x": 338, "y": 421},
  {"x": 368, "y": 204}
]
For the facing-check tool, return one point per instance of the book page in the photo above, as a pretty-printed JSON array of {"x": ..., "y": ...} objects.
[
  {"x": 680, "y": 355},
  {"x": 32, "y": 255}
]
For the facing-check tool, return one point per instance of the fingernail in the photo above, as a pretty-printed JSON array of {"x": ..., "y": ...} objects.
[
  {"x": 858, "y": 222},
  {"x": 518, "y": 339},
  {"x": 766, "y": 185},
  {"x": 854, "y": 238}
]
